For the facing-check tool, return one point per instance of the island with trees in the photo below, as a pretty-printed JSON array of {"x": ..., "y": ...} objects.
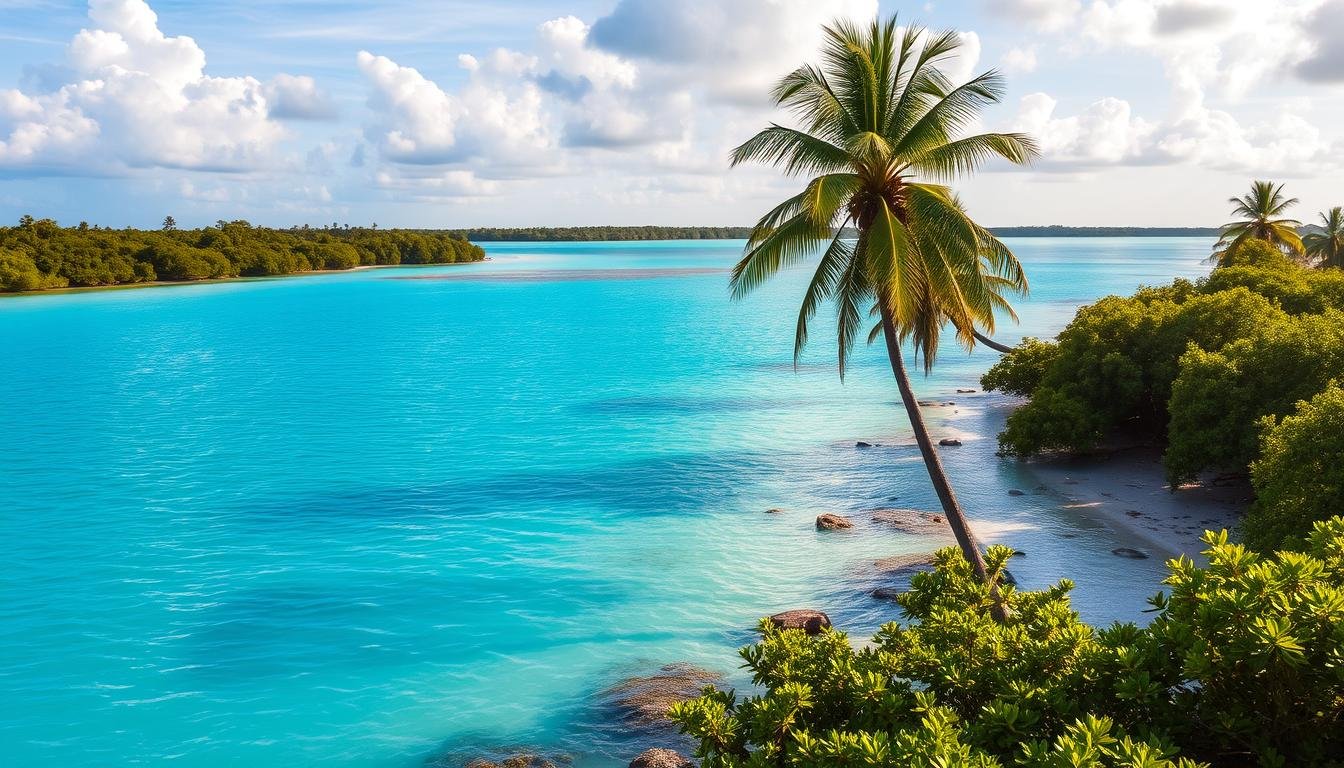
[{"x": 39, "y": 254}]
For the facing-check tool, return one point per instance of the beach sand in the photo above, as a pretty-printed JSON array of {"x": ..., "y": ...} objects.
[{"x": 1127, "y": 490}]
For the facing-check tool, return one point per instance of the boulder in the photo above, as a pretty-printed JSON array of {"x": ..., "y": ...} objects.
[
  {"x": 811, "y": 622},
  {"x": 496, "y": 757},
  {"x": 1016, "y": 492},
  {"x": 886, "y": 593},
  {"x": 829, "y": 522},
  {"x": 661, "y": 758},
  {"x": 862, "y": 444},
  {"x": 952, "y": 441},
  {"x": 912, "y": 521},
  {"x": 1132, "y": 554},
  {"x": 644, "y": 701},
  {"x": 912, "y": 562}
]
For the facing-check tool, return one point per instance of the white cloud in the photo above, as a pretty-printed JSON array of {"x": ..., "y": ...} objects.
[
  {"x": 137, "y": 98},
  {"x": 1325, "y": 35},
  {"x": 1019, "y": 61},
  {"x": 1103, "y": 134},
  {"x": 1211, "y": 52},
  {"x": 297, "y": 97}
]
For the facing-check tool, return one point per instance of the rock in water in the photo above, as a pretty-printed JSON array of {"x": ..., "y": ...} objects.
[
  {"x": 965, "y": 391},
  {"x": 773, "y": 511},
  {"x": 644, "y": 701},
  {"x": 829, "y": 522},
  {"x": 1132, "y": 554},
  {"x": 862, "y": 444},
  {"x": 917, "y": 561},
  {"x": 951, "y": 441},
  {"x": 661, "y": 758},
  {"x": 886, "y": 593},
  {"x": 496, "y": 757},
  {"x": 811, "y": 622},
  {"x": 912, "y": 521},
  {"x": 1016, "y": 492}
]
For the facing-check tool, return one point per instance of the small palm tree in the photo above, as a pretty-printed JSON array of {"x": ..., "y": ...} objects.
[
  {"x": 877, "y": 117},
  {"x": 1260, "y": 213},
  {"x": 1326, "y": 248}
]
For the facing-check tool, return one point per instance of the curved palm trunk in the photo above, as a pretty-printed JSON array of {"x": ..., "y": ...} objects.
[
  {"x": 952, "y": 510},
  {"x": 992, "y": 344}
]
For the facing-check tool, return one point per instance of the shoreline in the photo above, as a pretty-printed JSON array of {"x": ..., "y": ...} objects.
[
  {"x": 1124, "y": 489},
  {"x": 1127, "y": 490},
  {"x": 217, "y": 280}
]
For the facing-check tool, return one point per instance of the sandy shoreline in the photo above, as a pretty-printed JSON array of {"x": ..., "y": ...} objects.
[
  {"x": 1127, "y": 490},
  {"x": 1124, "y": 489}
]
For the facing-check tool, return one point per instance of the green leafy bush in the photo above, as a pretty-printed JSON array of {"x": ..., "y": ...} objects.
[
  {"x": 1244, "y": 664},
  {"x": 40, "y": 254},
  {"x": 1114, "y": 365},
  {"x": 1299, "y": 478},
  {"x": 1219, "y": 399}
]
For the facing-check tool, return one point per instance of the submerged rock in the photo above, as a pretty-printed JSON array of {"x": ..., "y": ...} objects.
[
  {"x": 661, "y": 758},
  {"x": 965, "y": 391},
  {"x": 1016, "y": 492},
  {"x": 912, "y": 562},
  {"x": 811, "y": 622},
  {"x": 1007, "y": 578},
  {"x": 829, "y": 522},
  {"x": 1132, "y": 554},
  {"x": 952, "y": 441},
  {"x": 911, "y": 521},
  {"x": 886, "y": 593},
  {"x": 644, "y": 701},
  {"x": 862, "y": 444},
  {"x": 774, "y": 511},
  {"x": 498, "y": 757}
]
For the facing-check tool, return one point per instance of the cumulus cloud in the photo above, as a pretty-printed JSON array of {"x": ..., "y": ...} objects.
[
  {"x": 733, "y": 50},
  {"x": 1324, "y": 30},
  {"x": 136, "y": 98},
  {"x": 1105, "y": 133},
  {"x": 1210, "y": 52},
  {"x": 1019, "y": 60},
  {"x": 297, "y": 97}
]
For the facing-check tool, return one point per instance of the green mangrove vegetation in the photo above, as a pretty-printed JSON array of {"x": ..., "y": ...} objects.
[
  {"x": 1230, "y": 373},
  {"x": 1242, "y": 665},
  {"x": 40, "y": 254}
]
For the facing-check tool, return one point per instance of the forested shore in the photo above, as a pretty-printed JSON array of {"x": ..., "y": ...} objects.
[
  {"x": 583, "y": 234},
  {"x": 42, "y": 255}
]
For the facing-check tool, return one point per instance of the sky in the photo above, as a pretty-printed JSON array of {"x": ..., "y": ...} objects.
[{"x": 584, "y": 112}]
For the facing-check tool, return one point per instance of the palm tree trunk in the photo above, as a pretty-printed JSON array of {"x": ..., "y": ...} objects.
[
  {"x": 992, "y": 344},
  {"x": 952, "y": 510}
]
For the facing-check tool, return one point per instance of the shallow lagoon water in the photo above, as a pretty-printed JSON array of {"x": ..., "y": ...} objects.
[{"x": 359, "y": 519}]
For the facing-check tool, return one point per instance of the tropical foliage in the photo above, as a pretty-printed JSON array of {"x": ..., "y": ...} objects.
[
  {"x": 1260, "y": 216},
  {"x": 1326, "y": 248},
  {"x": 950, "y": 686},
  {"x": 1199, "y": 367},
  {"x": 40, "y": 254},
  {"x": 1299, "y": 478},
  {"x": 877, "y": 123}
]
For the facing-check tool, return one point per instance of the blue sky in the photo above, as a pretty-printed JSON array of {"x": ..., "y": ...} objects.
[{"x": 556, "y": 112}]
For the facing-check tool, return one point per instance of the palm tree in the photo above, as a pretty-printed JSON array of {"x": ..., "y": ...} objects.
[
  {"x": 1258, "y": 212},
  {"x": 1326, "y": 248},
  {"x": 877, "y": 117}
]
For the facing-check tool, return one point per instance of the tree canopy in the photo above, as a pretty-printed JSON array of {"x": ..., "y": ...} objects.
[{"x": 40, "y": 254}]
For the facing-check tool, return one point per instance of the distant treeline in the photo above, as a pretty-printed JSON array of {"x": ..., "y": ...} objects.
[
  {"x": 590, "y": 234},
  {"x": 577, "y": 234},
  {"x": 1059, "y": 231},
  {"x": 40, "y": 254}
]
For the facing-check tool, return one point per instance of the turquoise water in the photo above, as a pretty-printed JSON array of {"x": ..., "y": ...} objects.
[{"x": 360, "y": 519}]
